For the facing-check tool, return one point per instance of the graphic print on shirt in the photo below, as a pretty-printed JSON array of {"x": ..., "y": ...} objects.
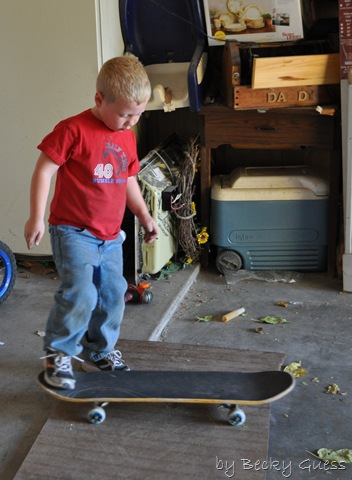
[{"x": 115, "y": 163}]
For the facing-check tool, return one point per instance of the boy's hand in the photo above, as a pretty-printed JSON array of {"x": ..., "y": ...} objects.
[
  {"x": 44, "y": 170},
  {"x": 33, "y": 232},
  {"x": 136, "y": 204},
  {"x": 150, "y": 230}
]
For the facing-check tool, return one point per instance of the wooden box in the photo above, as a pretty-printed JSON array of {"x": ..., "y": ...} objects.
[{"x": 276, "y": 82}]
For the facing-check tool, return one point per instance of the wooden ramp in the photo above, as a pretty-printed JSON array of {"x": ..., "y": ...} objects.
[{"x": 156, "y": 441}]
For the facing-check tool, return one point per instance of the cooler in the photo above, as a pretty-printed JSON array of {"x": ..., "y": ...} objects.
[{"x": 270, "y": 218}]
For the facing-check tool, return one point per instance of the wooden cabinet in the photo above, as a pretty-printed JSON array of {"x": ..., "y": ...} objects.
[{"x": 280, "y": 128}]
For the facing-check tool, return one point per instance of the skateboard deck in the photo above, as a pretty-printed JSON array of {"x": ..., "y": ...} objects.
[{"x": 225, "y": 388}]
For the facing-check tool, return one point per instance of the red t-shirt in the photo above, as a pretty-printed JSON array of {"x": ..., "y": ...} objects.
[{"x": 95, "y": 163}]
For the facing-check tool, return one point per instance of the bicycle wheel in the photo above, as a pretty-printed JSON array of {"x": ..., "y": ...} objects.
[{"x": 8, "y": 271}]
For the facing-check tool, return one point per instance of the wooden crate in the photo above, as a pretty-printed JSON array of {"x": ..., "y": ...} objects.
[
  {"x": 245, "y": 97},
  {"x": 297, "y": 70},
  {"x": 278, "y": 86}
]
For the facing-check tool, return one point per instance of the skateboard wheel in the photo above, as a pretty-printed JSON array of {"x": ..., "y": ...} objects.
[
  {"x": 236, "y": 417},
  {"x": 96, "y": 415}
]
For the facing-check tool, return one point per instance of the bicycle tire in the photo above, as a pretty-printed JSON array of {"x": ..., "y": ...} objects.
[{"x": 8, "y": 271}]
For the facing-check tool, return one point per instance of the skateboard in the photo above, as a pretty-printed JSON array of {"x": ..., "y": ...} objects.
[{"x": 228, "y": 389}]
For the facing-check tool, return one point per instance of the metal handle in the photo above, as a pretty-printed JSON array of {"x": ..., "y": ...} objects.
[{"x": 267, "y": 129}]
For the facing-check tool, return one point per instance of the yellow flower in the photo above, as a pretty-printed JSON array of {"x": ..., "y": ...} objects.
[
  {"x": 193, "y": 207},
  {"x": 202, "y": 236}
]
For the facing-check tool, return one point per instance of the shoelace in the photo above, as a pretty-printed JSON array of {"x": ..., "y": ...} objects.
[
  {"x": 116, "y": 358},
  {"x": 63, "y": 362}
]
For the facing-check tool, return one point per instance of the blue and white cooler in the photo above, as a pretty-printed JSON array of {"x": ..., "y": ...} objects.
[{"x": 270, "y": 218}]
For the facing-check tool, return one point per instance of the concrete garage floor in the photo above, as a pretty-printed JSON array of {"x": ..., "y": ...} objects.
[{"x": 317, "y": 333}]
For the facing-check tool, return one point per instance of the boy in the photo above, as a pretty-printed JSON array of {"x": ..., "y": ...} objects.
[{"x": 94, "y": 156}]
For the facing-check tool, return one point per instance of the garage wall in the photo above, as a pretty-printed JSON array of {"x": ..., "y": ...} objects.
[{"x": 50, "y": 51}]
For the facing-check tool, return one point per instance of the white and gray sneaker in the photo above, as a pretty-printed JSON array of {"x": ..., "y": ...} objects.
[
  {"x": 111, "y": 361},
  {"x": 58, "y": 370}
]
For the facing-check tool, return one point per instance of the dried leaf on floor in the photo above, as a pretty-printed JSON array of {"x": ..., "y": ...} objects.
[
  {"x": 259, "y": 330},
  {"x": 334, "y": 389},
  {"x": 343, "y": 455},
  {"x": 206, "y": 318},
  {"x": 272, "y": 320},
  {"x": 296, "y": 369},
  {"x": 282, "y": 304}
]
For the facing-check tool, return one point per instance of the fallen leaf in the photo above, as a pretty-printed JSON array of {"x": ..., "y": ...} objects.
[
  {"x": 338, "y": 456},
  {"x": 259, "y": 330},
  {"x": 296, "y": 370},
  {"x": 272, "y": 320},
  {"x": 282, "y": 304},
  {"x": 206, "y": 318},
  {"x": 334, "y": 389}
]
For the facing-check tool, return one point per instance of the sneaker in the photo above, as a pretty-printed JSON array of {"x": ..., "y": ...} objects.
[
  {"x": 112, "y": 361},
  {"x": 58, "y": 370}
]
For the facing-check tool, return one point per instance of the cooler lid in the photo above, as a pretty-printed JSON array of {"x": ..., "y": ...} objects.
[{"x": 312, "y": 179}]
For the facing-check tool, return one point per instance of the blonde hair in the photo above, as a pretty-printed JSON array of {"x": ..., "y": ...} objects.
[{"x": 124, "y": 77}]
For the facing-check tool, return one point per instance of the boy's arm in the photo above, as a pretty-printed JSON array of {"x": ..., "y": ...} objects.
[
  {"x": 138, "y": 207},
  {"x": 40, "y": 185}
]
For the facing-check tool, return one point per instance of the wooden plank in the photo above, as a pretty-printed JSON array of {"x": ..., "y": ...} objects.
[
  {"x": 296, "y": 71},
  {"x": 246, "y": 97},
  {"x": 231, "y": 66},
  {"x": 156, "y": 441},
  {"x": 177, "y": 356}
]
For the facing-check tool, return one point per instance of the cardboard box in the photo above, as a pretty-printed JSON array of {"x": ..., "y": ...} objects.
[{"x": 259, "y": 22}]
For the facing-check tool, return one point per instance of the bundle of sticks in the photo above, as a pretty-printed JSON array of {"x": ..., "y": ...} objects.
[{"x": 186, "y": 212}]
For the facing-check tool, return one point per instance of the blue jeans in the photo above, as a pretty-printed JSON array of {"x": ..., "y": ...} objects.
[{"x": 89, "y": 304}]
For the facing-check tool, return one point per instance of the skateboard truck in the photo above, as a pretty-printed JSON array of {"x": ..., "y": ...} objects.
[{"x": 236, "y": 416}]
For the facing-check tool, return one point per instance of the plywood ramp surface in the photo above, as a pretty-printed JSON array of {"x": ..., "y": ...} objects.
[{"x": 156, "y": 441}]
